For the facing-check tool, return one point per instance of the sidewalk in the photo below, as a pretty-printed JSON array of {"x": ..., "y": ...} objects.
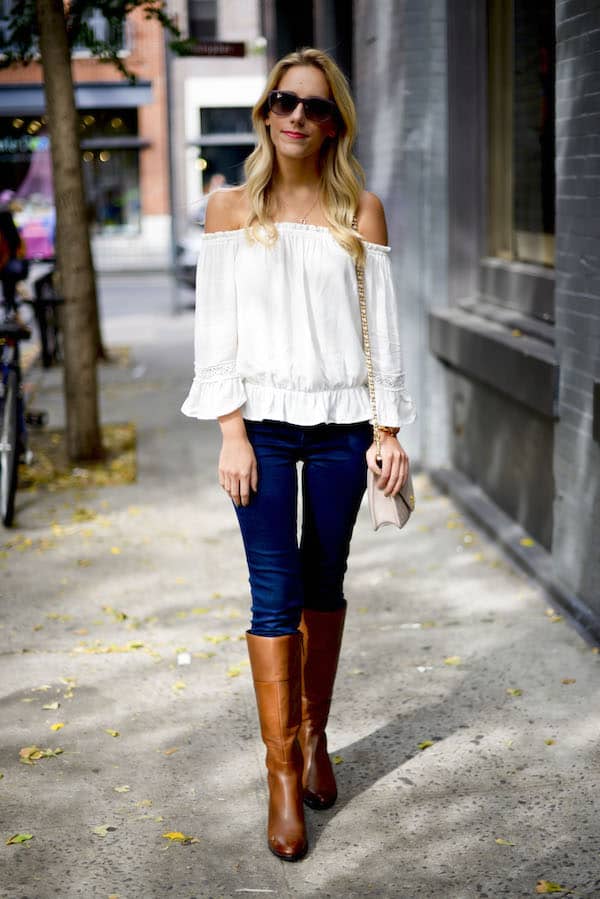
[{"x": 103, "y": 592}]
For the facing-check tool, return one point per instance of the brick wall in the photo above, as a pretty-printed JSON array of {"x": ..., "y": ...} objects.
[
  {"x": 576, "y": 546},
  {"x": 400, "y": 88}
]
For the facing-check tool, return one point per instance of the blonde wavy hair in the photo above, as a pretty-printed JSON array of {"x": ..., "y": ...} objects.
[{"x": 342, "y": 178}]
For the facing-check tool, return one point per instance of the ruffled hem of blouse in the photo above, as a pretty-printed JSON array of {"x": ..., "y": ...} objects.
[
  {"x": 343, "y": 406},
  {"x": 297, "y": 227},
  {"x": 395, "y": 408},
  {"x": 209, "y": 399}
]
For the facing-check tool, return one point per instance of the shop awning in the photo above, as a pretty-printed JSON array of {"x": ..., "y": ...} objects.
[{"x": 28, "y": 99}]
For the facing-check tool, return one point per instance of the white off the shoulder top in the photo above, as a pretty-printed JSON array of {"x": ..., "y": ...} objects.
[{"x": 278, "y": 333}]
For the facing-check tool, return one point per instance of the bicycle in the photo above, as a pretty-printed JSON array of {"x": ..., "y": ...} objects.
[
  {"x": 46, "y": 306},
  {"x": 13, "y": 430}
]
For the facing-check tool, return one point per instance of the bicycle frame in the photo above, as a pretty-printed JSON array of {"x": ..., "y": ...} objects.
[{"x": 13, "y": 430}]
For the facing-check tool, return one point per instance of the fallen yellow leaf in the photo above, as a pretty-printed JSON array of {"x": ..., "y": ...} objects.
[
  {"x": 452, "y": 660},
  {"x": 425, "y": 744},
  {"x": 113, "y": 733},
  {"x": 568, "y": 680},
  {"x": 217, "y": 638},
  {"x": 58, "y": 726},
  {"x": 29, "y": 755},
  {"x": 115, "y": 550},
  {"x": 549, "y": 886},
  {"x": 51, "y": 706},
  {"x": 178, "y": 685},
  {"x": 177, "y": 837},
  {"x": 83, "y": 514},
  {"x": 527, "y": 541},
  {"x": 102, "y": 829},
  {"x": 115, "y": 613},
  {"x": 514, "y": 691},
  {"x": 234, "y": 671},
  {"x": 123, "y": 789},
  {"x": 19, "y": 838},
  {"x": 549, "y": 741},
  {"x": 502, "y": 842},
  {"x": 337, "y": 760}
]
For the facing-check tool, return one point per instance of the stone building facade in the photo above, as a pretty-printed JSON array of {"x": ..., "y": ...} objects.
[{"x": 480, "y": 131}]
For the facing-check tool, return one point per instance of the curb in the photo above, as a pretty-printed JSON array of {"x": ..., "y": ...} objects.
[{"x": 534, "y": 560}]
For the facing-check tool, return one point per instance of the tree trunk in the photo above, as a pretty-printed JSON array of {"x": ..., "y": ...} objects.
[{"x": 74, "y": 257}]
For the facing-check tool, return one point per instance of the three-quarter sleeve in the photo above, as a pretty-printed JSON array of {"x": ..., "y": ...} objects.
[
  {"x": 216, "y": 388},
  {"x": 394, "y": 404}
]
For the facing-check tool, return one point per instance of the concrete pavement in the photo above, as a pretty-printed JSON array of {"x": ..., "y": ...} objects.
[{"x": 103, "y": 594}]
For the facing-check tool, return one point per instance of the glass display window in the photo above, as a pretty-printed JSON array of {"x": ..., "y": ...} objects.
[{"x": 110, "y": 153}]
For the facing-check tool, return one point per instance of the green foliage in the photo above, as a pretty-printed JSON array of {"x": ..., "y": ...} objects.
[{"x": 23, "y": 30}]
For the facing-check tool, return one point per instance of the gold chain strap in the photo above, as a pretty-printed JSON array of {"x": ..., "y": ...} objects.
[{"x": 360, "y": 280}]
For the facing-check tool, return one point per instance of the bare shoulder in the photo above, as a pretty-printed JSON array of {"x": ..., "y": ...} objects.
[
  {"x": 371, "y": 219},
  {"x": 226, "y": 209}
]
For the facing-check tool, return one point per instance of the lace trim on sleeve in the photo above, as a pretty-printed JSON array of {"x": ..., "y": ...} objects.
[
  {"x": 391, "y": 382},
  {"x": 219, "y": 372}
]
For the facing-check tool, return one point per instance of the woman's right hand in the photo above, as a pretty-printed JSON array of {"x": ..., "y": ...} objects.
[{"x": 238, "y": 471}]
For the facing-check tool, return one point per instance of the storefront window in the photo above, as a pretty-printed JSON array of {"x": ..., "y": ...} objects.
[
  {"x": 111, "y": 180},
  {"x": 110, "y": 151},
  {"x": 521, "y": 129}
]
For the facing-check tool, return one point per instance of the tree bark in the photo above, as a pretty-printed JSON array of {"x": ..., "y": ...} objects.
[{"x": 74, "y": 257}]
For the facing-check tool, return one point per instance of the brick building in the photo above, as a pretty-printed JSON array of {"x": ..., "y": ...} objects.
[
  {"x": 149, "y": 149},
  {"x": 124, "y": 142},
  {"x": 480, "y": 130},
  {"x": 211, "y": 98}
]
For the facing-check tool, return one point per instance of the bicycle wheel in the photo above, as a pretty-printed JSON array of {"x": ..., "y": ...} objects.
[{"x": 9, "y": 451}]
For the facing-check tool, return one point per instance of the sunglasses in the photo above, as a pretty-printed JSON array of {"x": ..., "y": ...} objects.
[{"x": 316, "y": 109}]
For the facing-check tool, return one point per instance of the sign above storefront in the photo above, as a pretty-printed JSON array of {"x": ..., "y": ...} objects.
[{"x": 219, "y": 48}]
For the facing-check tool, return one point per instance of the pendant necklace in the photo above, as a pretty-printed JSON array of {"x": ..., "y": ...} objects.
[
  {"x": 303, "y": 220},
  {"x": 305, "y": 217}
]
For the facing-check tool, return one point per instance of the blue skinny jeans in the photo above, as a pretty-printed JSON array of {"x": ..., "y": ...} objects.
[{"x": 286, "y": 577}]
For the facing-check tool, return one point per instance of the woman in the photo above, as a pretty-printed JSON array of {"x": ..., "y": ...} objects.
[{"x": 279, "y": 362}]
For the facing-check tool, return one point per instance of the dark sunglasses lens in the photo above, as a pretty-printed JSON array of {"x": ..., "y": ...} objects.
[
  {"x": 318, "y": 110},
  {"x": 282, "y": 104}
]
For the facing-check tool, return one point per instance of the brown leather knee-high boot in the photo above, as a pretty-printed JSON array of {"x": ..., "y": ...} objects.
[
  {"x": 276, "y": 664},
  {"x": 322, "y": 632}
]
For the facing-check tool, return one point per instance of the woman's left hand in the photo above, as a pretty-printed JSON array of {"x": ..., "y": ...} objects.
[{"x": 393, "y": 473}]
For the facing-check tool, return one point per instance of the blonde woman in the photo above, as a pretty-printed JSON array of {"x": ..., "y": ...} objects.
[{"x": 279, "y": 363}]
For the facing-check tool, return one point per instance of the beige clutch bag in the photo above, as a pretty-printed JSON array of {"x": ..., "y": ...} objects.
[
  {"x": 384, "y": 509},
  {"x": 394, "y": 510}
]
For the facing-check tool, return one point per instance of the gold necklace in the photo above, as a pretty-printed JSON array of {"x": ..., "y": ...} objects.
[{"x": 303, "y": 220}]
